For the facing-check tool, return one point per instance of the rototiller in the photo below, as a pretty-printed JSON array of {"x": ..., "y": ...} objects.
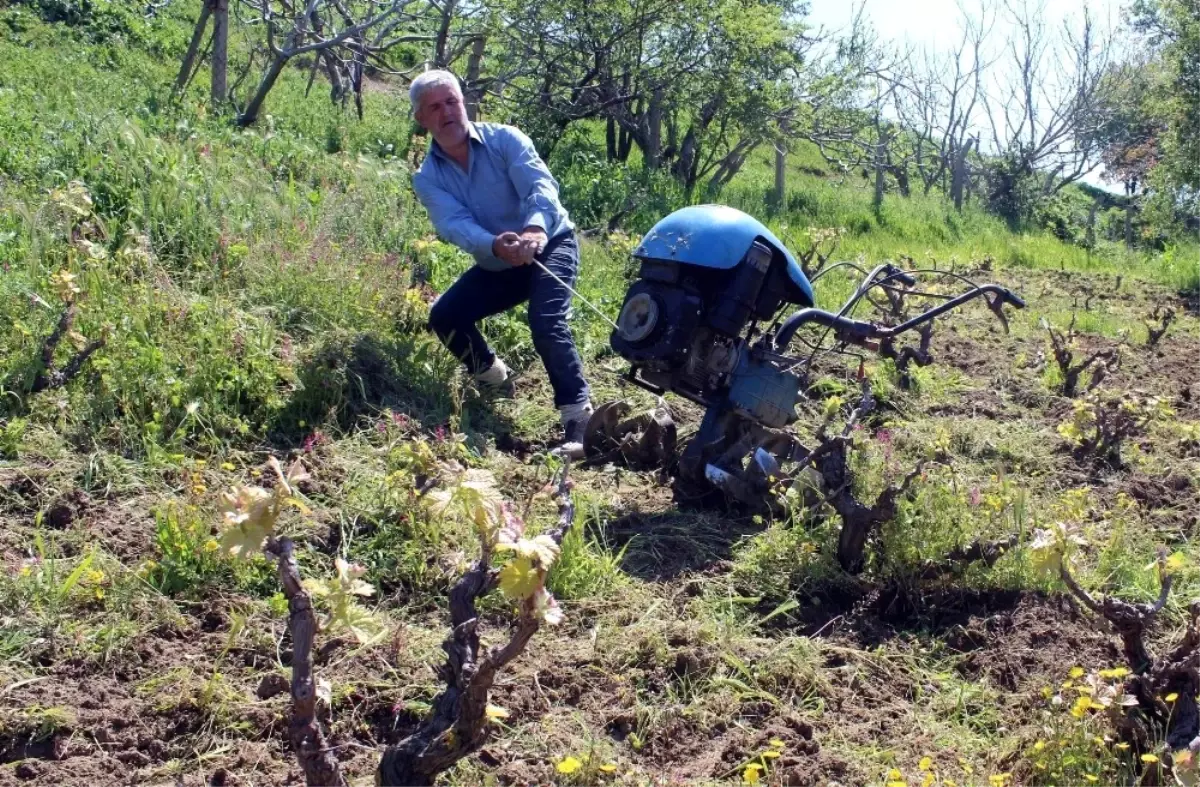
[{"x": 709, "y": 276}]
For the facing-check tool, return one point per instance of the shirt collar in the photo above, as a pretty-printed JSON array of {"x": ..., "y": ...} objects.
[{"x": 472, "y": 133}]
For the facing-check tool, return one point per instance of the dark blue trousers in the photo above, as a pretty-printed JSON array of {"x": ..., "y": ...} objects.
[{"x": 480, "y": 293}]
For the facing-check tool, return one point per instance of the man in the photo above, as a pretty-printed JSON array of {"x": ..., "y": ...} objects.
[{"x": 488, "y": 192}]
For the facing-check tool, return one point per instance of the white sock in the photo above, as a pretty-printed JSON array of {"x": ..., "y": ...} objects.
[{"x": 495, "y": 374}]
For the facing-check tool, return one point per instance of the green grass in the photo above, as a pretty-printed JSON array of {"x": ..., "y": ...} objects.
[
  {"x": 254, "y": 290},
  {"x": 926, "y": 229}
]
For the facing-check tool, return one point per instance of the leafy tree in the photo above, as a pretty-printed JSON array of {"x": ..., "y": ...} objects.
[
  {"x": 1170, "y": 98},
  {"x": 1167, "y": 92},
  {"x": 1132, "y": 132},
  {"x": 695, "y": 86}
]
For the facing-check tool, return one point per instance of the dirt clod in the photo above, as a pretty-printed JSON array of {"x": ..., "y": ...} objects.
[
  {"x": 271, "y": 685},
  {"x": 27, "y": 770}
]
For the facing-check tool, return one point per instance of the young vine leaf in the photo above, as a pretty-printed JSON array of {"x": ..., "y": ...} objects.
[
  {"x": 340, "y": 597},
  {"x": 1051, "y": 546},
  {"x": 249, "y": 513},
  {"x": 524, "y": 578},
  {"x": 476, "y": 497}
]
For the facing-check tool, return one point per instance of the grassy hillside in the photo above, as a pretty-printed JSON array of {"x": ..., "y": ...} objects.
[{"x": 263, "y": 293}]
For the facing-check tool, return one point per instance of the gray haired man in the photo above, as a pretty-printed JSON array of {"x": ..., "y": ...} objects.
[{"x": 488, "y": 192}]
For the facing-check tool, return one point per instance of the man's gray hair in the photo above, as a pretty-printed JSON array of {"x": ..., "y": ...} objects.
[{"x": 427, "y": 80}]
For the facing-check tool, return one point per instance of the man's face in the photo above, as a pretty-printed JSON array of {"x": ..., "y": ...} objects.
[{"x": 443, "y": 114}]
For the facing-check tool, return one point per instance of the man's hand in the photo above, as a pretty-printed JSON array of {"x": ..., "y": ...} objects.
[
  {"x": 535, "y": 238},
  {"x": 520, "y": 249},
  {"x": 510, "y": 247}
]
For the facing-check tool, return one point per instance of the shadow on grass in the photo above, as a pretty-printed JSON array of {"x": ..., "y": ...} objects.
[
  {"x": 349, "y": 377},
  {"x": 664, "y": 545}
]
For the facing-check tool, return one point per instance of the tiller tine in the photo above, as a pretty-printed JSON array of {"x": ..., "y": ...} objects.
[
  {"x": 759, "y": 475},
  {"x": 647, "y": 439}
]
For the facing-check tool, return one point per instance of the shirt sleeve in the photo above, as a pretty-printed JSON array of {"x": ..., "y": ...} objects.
[
  {"x": 452, "y": 220},
  {"x": 535, "y": 185}
]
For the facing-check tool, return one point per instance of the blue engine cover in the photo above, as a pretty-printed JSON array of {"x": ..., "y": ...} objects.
[{"x": 717, "y": 236}]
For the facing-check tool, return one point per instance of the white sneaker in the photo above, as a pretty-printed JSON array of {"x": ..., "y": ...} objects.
[{"x": 497, "y": 381}]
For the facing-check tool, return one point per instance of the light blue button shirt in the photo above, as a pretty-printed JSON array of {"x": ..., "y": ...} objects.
[{"x": 505, "y": 188}]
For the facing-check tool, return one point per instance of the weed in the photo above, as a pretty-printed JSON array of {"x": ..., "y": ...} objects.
[
  {"x": 587, "y": 566},
  {"x": 186, "y": 559},
  {"x": 35, "y": 722}
]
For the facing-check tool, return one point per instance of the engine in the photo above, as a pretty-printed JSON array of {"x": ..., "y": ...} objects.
[{"x": 708, "y": 274}]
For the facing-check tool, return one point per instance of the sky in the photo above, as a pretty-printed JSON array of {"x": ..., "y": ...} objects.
[{"x": 935, "y": 24}]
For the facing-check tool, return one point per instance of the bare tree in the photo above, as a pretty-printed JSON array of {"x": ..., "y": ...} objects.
[
  {"x": 847, "y": 123},
  {"x": 345, "y": 35},
  {"x": 1047, "y": 124},
  {"x": 937, "y": 100}
]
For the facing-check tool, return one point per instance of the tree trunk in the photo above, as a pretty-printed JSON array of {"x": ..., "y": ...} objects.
[
  {"x": 880, "y": 158},
  {"x": 610, "y": 138},
  {"x": 780, "y": 174},
  {"x": 654, "y": 129},
  {"x": 730, "y": 166},
  {"x": 220, "y": 51},
  {"x": 474, "y": 65},
  {"x": 443, "y": 35},
  {"x": 624, "y": 145},
  {"x": 357, "y": 68},
  {"x": 309, "y": 743},
  {"x": 687, "y": 154},
  {"x": 250, "y": 115},
  {"x": 687, "y": 166},
  {"x": 959, "y": 175},
  {"x": 338, "y": 87},
  {"x": 185, "y": 70},
  {"x": 1129, "y": 189}
]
